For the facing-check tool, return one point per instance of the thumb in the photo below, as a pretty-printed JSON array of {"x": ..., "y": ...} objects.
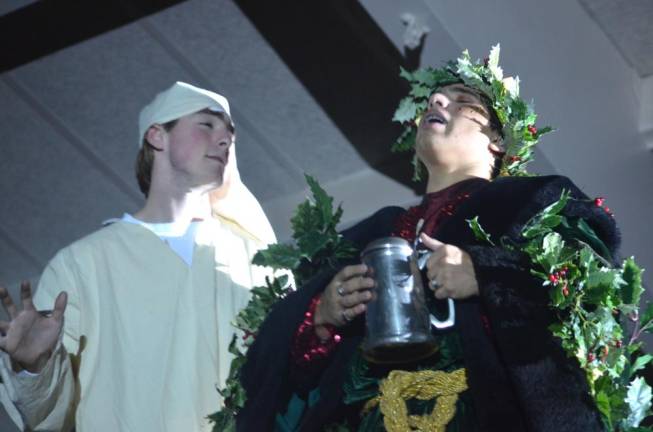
[
  {"x": 60, "y": 304},
  {"x": 430, "y": 242}
]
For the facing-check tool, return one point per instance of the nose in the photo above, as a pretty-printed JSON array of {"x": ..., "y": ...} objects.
[
  {"x": 226, "y": 139},
  {"x": 438, "y": 99}
]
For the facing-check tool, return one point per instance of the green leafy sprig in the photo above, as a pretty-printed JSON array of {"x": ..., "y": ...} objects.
[
  {"x": 516, "y": 116},
  {"x": 317, "y": 245},
  {"x": 597, "y": 306}
]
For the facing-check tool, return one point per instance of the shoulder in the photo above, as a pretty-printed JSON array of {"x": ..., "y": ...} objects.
[
  {"x": 380, "y": 224},
  {"x": 523, "y": 197},
  {"x": 541, "y": 186},
  {"x": 100, "y": 241},
  {"x": 107, "y": 233}
]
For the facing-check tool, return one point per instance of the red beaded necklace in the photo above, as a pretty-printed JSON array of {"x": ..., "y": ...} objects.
[{"x": 435, "y": 208}]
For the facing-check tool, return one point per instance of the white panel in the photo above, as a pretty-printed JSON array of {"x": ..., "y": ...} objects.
[
  {"x": 97, "y": 88},
  {"x": 52, "y": 194},
  {"x": 8, "y": 6},
  {"x": 628, "y": 24},
  {"x": 226, "y": 47}
]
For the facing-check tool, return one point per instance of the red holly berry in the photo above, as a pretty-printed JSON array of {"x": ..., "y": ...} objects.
[
  {"x": 514, "y": 158},
  {"x": 249, "y": 334},
  {"x": 565, "y": 290},
  {"x": 607, "y": 210},
  {"x": 564, "y": 271},
  {"x": 532, "y": 129},
  {"x": 618, "y": 343},
  {"x": 599, "y": 201},
  {"x": 553, "y": 279},
  {"x": 591, "y": 357}
]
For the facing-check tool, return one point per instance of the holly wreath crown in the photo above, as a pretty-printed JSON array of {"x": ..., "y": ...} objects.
[{"x": 516, "y": 116}]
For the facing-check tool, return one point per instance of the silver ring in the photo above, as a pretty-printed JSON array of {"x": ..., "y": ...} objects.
[
  {"x": 434, "y": 284},
  {"x": 345, "y": 317},
  {"x": 341, "y": 291}
]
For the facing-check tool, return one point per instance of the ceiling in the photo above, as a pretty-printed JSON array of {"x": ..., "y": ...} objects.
[
  {"x": 313, "y": 86},
  {"x": 628, "y": 25}
]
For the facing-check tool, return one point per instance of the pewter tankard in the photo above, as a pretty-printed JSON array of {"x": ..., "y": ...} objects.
[{"x": 398, "y": 322}]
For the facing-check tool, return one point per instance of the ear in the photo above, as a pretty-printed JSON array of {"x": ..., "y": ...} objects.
[{"x": 156, "y": 135}]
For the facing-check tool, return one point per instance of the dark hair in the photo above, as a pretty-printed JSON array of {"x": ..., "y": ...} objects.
[
  {"x": 496, "y": 126},
  {"x": 145, "y": 160}
]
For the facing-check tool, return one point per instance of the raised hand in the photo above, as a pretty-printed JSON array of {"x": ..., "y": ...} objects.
[
  {"x": 345, "y": 297},
  {"x": 30, "y": 336}
]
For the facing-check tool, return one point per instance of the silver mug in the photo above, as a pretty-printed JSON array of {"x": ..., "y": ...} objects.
[{"x": 398, "y": 322}]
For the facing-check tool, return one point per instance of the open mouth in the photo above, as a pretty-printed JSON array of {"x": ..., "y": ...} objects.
[{"x": 435, "y": 118}]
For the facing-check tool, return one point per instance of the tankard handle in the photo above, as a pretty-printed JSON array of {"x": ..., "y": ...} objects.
[{"x": 422, "y": 257}]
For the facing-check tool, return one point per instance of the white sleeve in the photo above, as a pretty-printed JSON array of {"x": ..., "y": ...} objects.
[
  {"x": 46, "y": 401},
  {"x": 39, "y": 402}
]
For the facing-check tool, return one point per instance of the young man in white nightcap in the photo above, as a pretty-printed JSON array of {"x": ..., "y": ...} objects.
[{"x": 141, "y": 309}]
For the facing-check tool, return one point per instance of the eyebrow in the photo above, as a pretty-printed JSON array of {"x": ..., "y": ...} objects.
[
  {"x": 465, "y": 90},
  {"x": 221, "y": 115}
]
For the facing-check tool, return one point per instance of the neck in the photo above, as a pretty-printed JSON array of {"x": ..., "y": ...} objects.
[
  {"x": 440, "y": 178},
  {"x": 165, "y": 206}
]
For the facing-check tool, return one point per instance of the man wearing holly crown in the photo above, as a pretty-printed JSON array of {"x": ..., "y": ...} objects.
[{"x": 536, "y": 342}]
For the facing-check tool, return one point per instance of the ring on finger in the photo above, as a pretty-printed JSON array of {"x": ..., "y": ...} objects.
[{"x": 340, "y": 290}]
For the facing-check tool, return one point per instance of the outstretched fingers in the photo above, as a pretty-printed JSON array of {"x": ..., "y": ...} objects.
[
  {"x": 26, "y": 295},
  {"x": 8, "y": 303},
  {"x": 60, "y": 305}
]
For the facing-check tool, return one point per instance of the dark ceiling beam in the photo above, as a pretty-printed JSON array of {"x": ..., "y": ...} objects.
[
  {"x": 48, "y": 26},
  {"x": 349, "y": 66}
]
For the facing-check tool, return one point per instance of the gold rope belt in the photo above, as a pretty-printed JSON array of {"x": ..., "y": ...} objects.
[{"x": 400, "y": 386}]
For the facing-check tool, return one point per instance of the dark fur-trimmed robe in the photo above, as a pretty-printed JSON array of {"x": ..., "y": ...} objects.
[{"x": 519, "y": 376}]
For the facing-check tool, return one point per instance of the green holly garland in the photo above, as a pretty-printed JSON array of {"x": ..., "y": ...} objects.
[
  {"x": 317, "y": 244},
  {"x": 520, "y": 134},
  {"x": 598, "y": 309}
]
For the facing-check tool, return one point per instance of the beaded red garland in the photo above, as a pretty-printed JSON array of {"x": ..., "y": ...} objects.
[{"x": 307, "y": 346}]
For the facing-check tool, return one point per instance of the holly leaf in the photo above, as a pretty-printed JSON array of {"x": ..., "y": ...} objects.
[
  {"x": 493, "y": 62},
  {"x": 641, "y": 362},
  {"x": 547, "y": 218},
  {"x": 603, "y": 404},
  {"x": 311, "y": 243},
  {"x": 639, "y": 401},
  {"x": 632, "y": 276},
  {"x": 322, "y": 202},
  {"x": 278, "y": 256},
  {"x": 599, "y": 286},
  {"x": 420, "y": 91},
  {"x": 406, "y": 140},
  {"x": 405, "y": 74},
  {"x": 478, "y": 231},
  {"x": 646, "y": 319},
  {"x": 552, "y": 245},
  {"x": 406, "y": 111},
  {"x": 224, "y": 421}
]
